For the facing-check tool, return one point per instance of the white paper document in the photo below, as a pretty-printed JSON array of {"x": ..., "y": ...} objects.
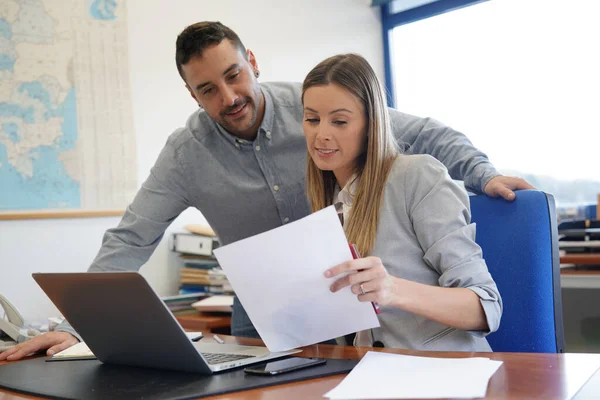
[
  {"x": 278, "y": 277},
  {"x": 396, "y": 376},
  {"x": 77, "y": 350},
  {"x": 215, "y": 304}
]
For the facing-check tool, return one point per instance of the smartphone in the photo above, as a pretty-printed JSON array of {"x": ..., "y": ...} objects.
[{"x": 283, "y": 366}]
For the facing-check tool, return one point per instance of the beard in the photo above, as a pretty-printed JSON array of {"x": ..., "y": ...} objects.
[{"x": 245, "y": 122}]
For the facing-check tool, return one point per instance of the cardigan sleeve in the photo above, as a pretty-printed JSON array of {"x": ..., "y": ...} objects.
[{"x": 440, "y": 214}]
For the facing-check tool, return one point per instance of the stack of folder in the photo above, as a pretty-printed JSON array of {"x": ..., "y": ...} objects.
[
  {"x": 200, "y": 273},
  {"x": 182, "y": 304}
]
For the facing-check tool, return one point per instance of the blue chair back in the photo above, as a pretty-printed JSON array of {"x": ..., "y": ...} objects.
[{"x": 520, "y": 245}]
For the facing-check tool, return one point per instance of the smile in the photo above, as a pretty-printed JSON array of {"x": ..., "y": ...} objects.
[
  {"x": 326, "y": 153},
  {"x": 238, "y": 111}
]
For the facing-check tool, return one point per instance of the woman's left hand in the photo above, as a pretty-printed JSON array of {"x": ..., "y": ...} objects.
[{"x": 367, "y": 278}]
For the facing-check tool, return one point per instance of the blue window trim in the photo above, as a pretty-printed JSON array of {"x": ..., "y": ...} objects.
[{"x": 389, "y": 21}]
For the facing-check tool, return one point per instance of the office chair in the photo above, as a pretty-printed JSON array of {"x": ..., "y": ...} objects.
[{"x": 520, "y": 246}]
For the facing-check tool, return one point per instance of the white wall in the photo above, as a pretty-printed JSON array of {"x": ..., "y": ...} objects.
[{"x": 288, "y": 38}]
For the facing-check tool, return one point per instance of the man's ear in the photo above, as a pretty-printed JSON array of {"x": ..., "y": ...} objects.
[{"x": 252, "y": 61}]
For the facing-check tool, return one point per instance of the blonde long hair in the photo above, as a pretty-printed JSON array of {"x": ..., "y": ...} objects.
[{"x": 353, "y": 73}]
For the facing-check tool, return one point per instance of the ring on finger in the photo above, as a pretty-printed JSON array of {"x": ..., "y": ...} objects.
[{"x": 362, "y": 289}]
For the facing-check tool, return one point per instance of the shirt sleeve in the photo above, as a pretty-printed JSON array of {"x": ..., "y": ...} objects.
[
  {"x": 440, "y": 214},
  {"x": 427, "y": 136},
  {"x": 162, "y": 197}
]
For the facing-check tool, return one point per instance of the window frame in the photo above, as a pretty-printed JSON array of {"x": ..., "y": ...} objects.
[{"x": 390, "y": 20}]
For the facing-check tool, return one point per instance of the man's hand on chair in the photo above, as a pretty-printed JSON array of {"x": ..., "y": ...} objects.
[
  {"x": 504, "y": 186},
  {"x": 53, "y": 341}
]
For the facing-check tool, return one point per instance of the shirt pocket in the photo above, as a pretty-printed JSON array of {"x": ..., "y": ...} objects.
[{"x": 438, "y": 336}]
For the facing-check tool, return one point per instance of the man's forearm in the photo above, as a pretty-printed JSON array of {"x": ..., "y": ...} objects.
[
  {"x": 427, "y": 136},
  {"x": 128, "y": 246},
  {"x": 123, "y": 250}
]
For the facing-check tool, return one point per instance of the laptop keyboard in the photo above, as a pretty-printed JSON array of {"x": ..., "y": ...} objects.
[{"x": 218, "y": 358}]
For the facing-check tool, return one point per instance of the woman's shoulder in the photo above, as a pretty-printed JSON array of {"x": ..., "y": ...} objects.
[
  {"x": 414, "y": 177},
  {"x": 411, "y": 166}
]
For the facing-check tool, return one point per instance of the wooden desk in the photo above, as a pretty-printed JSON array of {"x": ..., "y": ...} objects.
[
  {"x": 580, "y": 279},
  {"x": 522, "y": 376},
  {"x": 206, "y": 322},
  {"x": 581, "y": 259}
]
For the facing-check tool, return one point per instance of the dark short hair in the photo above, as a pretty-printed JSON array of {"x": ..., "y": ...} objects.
[{"x": 192, "y": 41}]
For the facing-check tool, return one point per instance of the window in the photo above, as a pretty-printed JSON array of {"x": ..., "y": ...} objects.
[{"x": 521, "y": 78}]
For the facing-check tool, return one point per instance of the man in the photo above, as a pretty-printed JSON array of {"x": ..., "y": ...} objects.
[{"x": 241, "y": 160}]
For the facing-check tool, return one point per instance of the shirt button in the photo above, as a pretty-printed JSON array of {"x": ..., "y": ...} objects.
[
  {"x": 286, "y": 220},
  {"x": 269, "y": 135},
  {"x": 275, "y": 188},
  {"x": 257, "y": 148}
]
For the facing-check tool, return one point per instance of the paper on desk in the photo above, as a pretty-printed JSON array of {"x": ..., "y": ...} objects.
[
  {"x": 220, "y": 303},
  {"x": 77, "y": 350},
  {"x": 396, "y": 376},
  {"x": 278, "y": 277}
]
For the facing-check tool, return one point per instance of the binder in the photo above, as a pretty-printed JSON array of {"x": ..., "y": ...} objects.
[{"x": 190, "y": 243}]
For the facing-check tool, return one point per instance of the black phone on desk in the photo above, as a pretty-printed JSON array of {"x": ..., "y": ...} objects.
[{"x": 283, "y": 366}]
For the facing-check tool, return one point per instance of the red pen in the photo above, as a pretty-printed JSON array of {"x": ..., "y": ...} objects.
[{"x": 355, "y": 255}]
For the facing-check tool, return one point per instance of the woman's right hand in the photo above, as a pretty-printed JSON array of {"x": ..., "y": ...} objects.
[
  {"x": 53, "y": 341},
  {"x": 368, "y": 279}
]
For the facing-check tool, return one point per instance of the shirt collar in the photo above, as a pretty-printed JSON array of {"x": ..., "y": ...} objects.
[
  {"x": 267, "y": 123},
  {"x": 346, "y": 195}
]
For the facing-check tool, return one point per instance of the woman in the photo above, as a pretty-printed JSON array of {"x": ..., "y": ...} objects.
[{"x": 404, "y": 213}]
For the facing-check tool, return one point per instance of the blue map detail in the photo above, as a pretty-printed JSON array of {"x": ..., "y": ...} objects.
[
  {"x": 12, "y": 130},
  {"x": 103, "y": 9},
  {"x": 5, "y": 29},
  {"x": 15, "y": 110},
  {"x": 36, "y": 91},
  {"x": 68, "y": 110},
  {"x": 51, "y": 186},
  {"x": 6, "y": 62}
]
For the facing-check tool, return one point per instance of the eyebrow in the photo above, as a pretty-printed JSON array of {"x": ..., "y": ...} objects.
[
  {"x": 330, "y": 112},
  {"x": 228, "y": 70}
]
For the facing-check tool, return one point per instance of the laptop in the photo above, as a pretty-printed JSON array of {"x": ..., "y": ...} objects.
[{"x": 123, "y": 321}]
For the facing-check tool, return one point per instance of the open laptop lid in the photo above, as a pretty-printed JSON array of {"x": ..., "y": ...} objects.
[{"x": 122, "y": 319}]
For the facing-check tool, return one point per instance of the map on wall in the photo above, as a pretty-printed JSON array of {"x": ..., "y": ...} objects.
[{"x": 66, "y": 124}]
